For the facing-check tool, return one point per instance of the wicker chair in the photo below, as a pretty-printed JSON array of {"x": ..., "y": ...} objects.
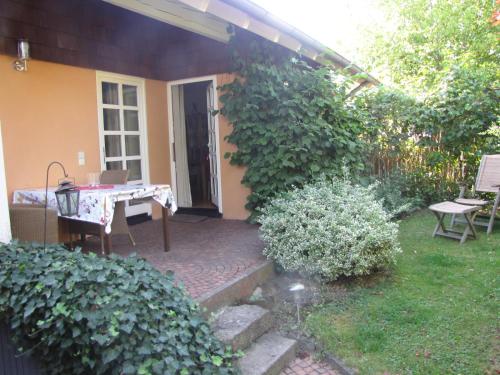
[
  {"x": 27, "y": 222},
  {"x": 119, "y": 224}
]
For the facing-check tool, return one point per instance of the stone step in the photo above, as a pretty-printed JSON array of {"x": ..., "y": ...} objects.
[
  {"x": 239, "y": 326},
  {"x": 268, "y": 356},
  {"x": 236, "y": 290}
]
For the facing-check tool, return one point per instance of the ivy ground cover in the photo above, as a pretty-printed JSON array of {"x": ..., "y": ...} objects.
[{"x": 435, "y": 313}]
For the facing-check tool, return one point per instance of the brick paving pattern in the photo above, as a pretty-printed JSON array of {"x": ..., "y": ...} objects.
[
  {"x": 203, "y": 255},
  {"x": 303, "y": 366}
]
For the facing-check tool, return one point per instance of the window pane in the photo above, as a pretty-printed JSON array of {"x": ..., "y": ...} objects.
[
  {"x": 114, "y": 165},
  {"x": 109, "y": 93},
  {"x": 132, "y": 145},
  {"x": 129, "y": 95},
  {"x": 111, "y": 119},
  {"x": 134, "y": 170},
  {"x": 131, "y": 119},
  {"x": 112, "y": 145}
]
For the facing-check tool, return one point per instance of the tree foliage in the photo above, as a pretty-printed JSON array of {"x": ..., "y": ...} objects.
[
  {"x": 441, "y": 113},
  {"x": 435, "y": 141},
  {"x": 434, "y": 37}
]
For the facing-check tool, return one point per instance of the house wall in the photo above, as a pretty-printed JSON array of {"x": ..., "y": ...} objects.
[
  {"x": 234, "y": 194},
  {"x": 50, "y": 113}
]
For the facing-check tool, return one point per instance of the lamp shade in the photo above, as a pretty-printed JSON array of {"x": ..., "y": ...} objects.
[{"x": 68, "y": 199}]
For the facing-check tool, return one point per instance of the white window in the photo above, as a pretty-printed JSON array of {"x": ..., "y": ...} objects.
[{"x": 122, "y": 129}]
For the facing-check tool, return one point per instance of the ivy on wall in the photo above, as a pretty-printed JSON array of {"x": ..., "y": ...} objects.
[{"x": 290, "y": 122}]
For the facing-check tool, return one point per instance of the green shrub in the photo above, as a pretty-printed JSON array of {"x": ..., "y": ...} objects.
[
  {"x": 328, "y": 229},
  {"x": 397, "y": 195},
  {"x": 81, "y": 314}
]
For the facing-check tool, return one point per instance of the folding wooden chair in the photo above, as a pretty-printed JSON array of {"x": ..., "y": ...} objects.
[{"x": 487, "y": 181}]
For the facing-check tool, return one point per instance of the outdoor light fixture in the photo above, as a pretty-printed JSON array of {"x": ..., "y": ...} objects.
[
  {"x": 23, "y": 55},
  {"x": 67, "y": 197},
  {"x": 297, "y": 291}
]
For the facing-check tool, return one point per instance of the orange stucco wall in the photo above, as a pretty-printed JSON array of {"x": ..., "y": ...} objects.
[
  {"x": 157, "y": 119},
  {"x": 50, "y": 113},
  {"x": 234, "y": 194}
]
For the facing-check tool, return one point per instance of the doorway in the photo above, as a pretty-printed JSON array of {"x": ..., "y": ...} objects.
[{"x": 194, "y": 146}]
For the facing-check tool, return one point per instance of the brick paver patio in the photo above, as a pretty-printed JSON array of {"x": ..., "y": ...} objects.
[
  {"x": 307, "y": 366},
  {"x": 203, "y": 255}
]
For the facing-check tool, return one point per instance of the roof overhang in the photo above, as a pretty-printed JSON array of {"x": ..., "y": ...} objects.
[{"x": 212, "y": 18}]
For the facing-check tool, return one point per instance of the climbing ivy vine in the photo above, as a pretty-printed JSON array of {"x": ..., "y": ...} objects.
[{"x": 290, "y": 121}]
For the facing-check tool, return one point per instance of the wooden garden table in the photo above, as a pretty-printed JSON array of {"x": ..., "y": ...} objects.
[{"x": 452, "y": 208}]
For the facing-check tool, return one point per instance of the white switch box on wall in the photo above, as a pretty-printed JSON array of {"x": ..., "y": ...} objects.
[{"x": 81, "y": 158}]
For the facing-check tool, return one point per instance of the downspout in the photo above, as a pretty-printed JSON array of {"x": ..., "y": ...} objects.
[
  {"x": 5, "y": 233},
  {"x": 357, "y": 88}
]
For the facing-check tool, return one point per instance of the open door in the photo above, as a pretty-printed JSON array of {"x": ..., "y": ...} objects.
[
  {"x": 212, "y": 147},
  {"x": 122, "y": 129},
  {"x": 194, "y": 153}
]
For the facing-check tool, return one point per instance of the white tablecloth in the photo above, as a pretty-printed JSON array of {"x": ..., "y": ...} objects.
[{"x": 98, "y": 205}]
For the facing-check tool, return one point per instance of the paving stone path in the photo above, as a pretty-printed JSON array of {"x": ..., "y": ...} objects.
[
  {"x": 203, "y": 255},
  {"x": 307, "y": 366}
]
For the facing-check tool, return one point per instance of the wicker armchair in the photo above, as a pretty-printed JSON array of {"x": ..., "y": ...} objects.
[{"x": 27, "y": 221}]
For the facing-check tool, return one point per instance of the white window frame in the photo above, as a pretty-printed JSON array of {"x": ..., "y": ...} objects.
[
  {"x": 212, "y": 78},
  {"x": 143, "y": 128}
]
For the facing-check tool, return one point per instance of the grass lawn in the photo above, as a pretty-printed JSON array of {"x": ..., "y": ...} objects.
[{"x": 435, "y": 313}]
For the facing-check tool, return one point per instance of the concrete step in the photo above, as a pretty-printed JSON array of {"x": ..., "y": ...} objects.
[
  {"x": 239, "y": 326},
  {"x": 236, "y": 290},
  {"x": 268, "y": 356}
]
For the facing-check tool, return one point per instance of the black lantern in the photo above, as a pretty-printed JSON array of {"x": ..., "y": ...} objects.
[{"x": 68, "y": 198}]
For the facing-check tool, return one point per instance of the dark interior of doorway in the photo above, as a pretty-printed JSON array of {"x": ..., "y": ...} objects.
[{"x": 196, "y": 115}]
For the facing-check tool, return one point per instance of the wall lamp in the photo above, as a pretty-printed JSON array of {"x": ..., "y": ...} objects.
[{"x": 23, "y": 55}]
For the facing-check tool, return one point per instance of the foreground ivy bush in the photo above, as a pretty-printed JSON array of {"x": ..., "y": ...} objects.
[
  {"x": 81, "y": 314},
  {"x": 328, "y": 229}
]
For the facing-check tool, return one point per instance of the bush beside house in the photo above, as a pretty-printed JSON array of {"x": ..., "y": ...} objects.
[
  {"x": 328, "y": 229},
  {"x": 81, "y": 314}
]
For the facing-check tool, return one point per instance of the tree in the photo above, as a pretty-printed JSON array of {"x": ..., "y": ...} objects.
[{"x": 433, "y": 38}]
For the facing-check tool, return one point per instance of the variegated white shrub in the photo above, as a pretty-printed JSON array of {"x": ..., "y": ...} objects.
[{"x": 328, "y": 229}]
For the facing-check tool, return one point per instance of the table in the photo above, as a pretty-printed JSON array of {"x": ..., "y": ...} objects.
[
  {"x": 97, "y": 204},
  {"x": 443, "y": 208}
]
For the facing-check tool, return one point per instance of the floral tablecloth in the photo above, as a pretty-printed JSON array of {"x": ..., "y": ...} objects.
[{"x": 98, "y": 205}]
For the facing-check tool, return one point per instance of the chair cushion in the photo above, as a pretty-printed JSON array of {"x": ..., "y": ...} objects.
[{"x": 472, "y": 202}]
